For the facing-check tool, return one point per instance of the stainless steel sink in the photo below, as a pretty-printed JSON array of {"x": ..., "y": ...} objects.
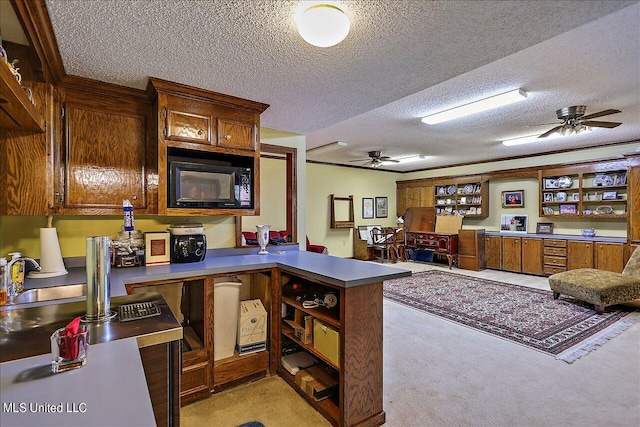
[{"x": 48, "y": 294}]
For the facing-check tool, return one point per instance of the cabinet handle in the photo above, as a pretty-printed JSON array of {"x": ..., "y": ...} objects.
[
  {"x": 227, "y": 137},
  {"x": 134, "y": 197},
  {"x": 200, "y": 132}
]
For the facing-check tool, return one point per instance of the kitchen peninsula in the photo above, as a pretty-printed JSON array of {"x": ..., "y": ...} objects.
[{"x": 357, "y": 284}]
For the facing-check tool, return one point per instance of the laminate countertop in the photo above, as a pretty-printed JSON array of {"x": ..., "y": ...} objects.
[
  {"x": 104, "y": 392},
  {"x": 341, "y": 272}
]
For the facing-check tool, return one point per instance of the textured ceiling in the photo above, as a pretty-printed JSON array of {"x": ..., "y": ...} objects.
[{"x": 401, "y": 60}]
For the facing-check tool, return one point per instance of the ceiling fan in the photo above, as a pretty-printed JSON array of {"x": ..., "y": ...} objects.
[
  {"x": 376, "y": 159},
  {"x": 574, "y": 120}
]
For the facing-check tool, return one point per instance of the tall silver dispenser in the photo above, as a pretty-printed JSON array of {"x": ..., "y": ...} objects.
[{"x": 98, "y": 279}]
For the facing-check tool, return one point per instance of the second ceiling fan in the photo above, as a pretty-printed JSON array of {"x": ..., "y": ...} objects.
[{"x": 376, "y": 159}]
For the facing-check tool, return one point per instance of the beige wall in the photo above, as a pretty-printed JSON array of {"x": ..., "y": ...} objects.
[{"x": 324, "y": 180}]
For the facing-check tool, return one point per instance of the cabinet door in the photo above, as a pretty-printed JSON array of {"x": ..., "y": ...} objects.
[
  {"x": 494, "y": 252},
  {"x": 413, "y": 197},
  {"x": 532, "y": 256},
  {"x": 181, "y": 126},
  {"x": 633, "y": 193},
  {"x": 233, "y": 134},
  {"x": 401, "y": 199},
  {"x": 104, "y": 158},
  {"x": 580, "y": 255},
  {"x": 512, "y": 254},
  {"x": 609, "y": 256}
]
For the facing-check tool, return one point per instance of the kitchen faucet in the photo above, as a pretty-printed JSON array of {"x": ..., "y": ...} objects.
[{"x": 14, "y": 288}]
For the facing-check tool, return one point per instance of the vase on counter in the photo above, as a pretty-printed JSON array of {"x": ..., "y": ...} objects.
[{"x": 263, "y": 238}]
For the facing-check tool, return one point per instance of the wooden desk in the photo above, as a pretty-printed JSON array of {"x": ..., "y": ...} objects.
[{"x": 441, "y": 244}]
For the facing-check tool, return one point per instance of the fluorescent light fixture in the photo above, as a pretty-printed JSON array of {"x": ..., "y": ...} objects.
[
  {"x": 476, "y": 107},
  {"x": 322, "y": 24},
  {"x": 327, "y": 147},
  {"x": 414, "y": 158},
  {"x": 534, "y": 138}
]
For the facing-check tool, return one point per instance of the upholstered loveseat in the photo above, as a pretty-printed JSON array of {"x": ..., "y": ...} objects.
[{"x": 598, "y": 287}]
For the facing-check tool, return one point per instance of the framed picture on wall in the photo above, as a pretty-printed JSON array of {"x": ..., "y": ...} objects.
[
  {"x": 513, "y": 199},
  {"x": 367, "y": 207},
  {"x": 381, "y": 207}
]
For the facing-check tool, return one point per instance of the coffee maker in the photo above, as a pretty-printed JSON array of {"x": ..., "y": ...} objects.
[{"x": 188, "y": 243}]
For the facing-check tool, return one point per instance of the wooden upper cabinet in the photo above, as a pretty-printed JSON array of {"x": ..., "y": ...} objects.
[
  {"x": 413, "y": 194},
  {"x": 235, "y": 134},
  {"x": 104, "y": 159},
  {"x": 180, "y": 126},
  {"x": 634, "y": 200}
]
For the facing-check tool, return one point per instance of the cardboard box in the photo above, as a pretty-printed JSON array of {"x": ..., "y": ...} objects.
[
  {"x": 252, "y": 327},
  {"x": 448, "y": 224},
  {"x": 302, "y": 326},
  {"x": 326, "y": 339},
  {"x": 297, "y": 361},
  {"x": 318, "y": 381}
]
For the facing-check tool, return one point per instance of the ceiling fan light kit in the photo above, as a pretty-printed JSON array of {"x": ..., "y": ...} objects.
[
  {"x": 476, "y": 107},
  {"x": 574, "y": 121},
  {"x": 322, "y": 24}
]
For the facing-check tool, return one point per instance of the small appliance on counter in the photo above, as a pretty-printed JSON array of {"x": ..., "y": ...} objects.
[
  {"x": 188, "y": 243},
  {"x": 128, "y": 249}
]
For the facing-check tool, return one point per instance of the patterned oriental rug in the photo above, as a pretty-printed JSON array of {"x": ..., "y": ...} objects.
[{"x": 564, "y": 328}]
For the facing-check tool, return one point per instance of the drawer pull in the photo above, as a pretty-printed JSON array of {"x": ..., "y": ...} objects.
[{"x": 227, "y": 137}]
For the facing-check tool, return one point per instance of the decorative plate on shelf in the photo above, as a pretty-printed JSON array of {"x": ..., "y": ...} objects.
[
  {"x": 451, "y": 189},
  {"x": 603, "y": 180},
  {"x": 604, "y": 210},
  {"x": 565, "y": 182},
  {"x": 468, "y": 189}
]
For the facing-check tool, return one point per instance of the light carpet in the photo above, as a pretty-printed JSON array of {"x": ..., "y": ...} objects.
[{"x": 564, "y": 328}]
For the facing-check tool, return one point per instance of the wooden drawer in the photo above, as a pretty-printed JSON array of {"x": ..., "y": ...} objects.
[
  {"x": 555, "y": 261},
  {"x": 549, "y": 250},
  {"x": 557, "y": 243},
  {"x": 549, "y": 269},
  {"x": 193, "y": 377}
]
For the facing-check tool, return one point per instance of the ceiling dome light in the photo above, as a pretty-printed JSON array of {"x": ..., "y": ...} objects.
[{"x": 323, "y": 25}]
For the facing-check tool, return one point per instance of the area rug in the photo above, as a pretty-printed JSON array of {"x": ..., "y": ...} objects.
[{"x": 565, "y": 328}]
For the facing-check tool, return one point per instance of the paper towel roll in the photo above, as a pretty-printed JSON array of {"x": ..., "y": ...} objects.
[{"x": 50, "y": 256}]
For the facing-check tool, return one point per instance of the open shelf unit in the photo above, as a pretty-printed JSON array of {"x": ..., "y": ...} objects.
[
  {"x": 467, "y": 196},
  {"x": 593, "y": 191},
  {"x": 356, "y": 318}
]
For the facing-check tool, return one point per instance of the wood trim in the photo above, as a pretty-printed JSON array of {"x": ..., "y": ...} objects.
[
  {"x": 158, "y": 85},
  {"x": 34, "y": 17},
  {"x": 102, "y": 89},
  {"x": 291, "y": 155}
]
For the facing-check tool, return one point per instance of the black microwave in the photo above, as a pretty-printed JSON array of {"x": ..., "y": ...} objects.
[{"x": 198, "y": 183}]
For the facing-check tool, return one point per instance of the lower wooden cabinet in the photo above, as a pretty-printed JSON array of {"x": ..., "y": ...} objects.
[
  {"x": 161, "y": 363},
  {"x": 493, "y": 250},
  {"x": 512, "y": 254},
  {"x": 542, "y": 256},
  {"x": 609, "y": 256},
  {"x": 471, "y": 250},
  {"x": 532, "y": 256},
  {"x": 579, "y": 255}
]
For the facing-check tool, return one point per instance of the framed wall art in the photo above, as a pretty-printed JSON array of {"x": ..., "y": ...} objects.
[
  {"x": 513, "y": 199},
  {"x": 544, "y": 228},
  {"x": 513, "y": 223},
  {"x": 367, "y": 207},
  {"x": 381, "y": 207}
]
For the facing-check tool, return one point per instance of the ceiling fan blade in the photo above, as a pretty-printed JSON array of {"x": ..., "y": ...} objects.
[
  {"x": 600, "y": 114},
  {"x": 549, "y": 132},
  {"x": 390, "y": 160},
  {"x": 597, "y": 124}
]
